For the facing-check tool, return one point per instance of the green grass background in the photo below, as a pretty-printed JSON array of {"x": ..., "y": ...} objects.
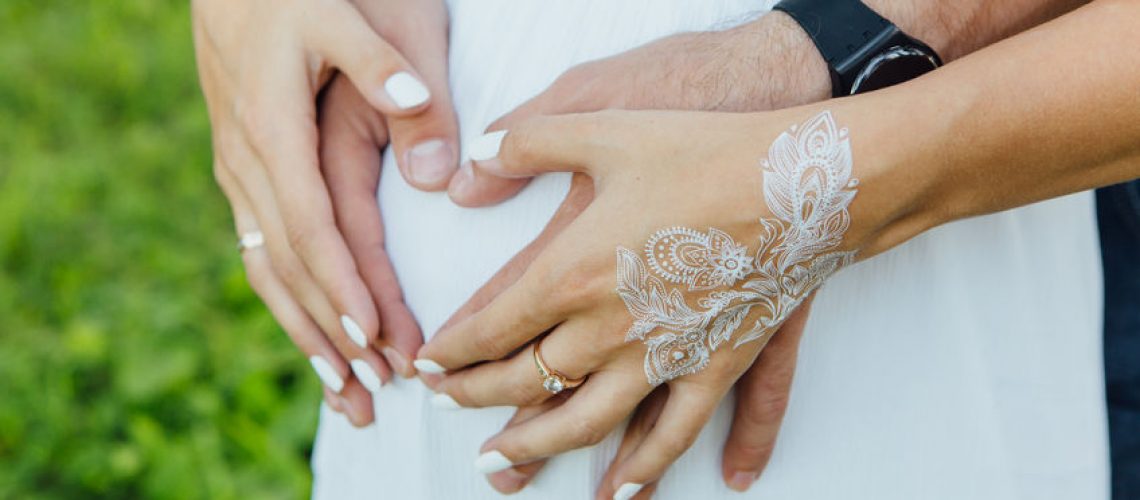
[{"x": 134, "y": 359}]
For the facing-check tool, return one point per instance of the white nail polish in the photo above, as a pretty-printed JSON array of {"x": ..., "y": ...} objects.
[
  {"x": 627, "y": 491},
  {"x": 405, "y": 90},
  {"x": 354, "y": 332},
  {"x": 492, "y": 462},
  {"x": 327, "y": 374},
  {"x": 486, "y": 146},
  {"x": 444, "y": 402},
  {"x": 366, "y": 375},
  {"x": 428, "y": 366}
]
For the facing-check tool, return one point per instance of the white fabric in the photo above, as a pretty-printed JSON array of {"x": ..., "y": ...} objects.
[{"x": 964, "y": 364}]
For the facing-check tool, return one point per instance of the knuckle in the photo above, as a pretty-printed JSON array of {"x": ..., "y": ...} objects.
[
  {"x": 300, "y": 236},
  {"x": 288, "y": 271},
  {"x": 523, "y": 394},
  {"x": 573, "y": 287},
  {"x": 751, "y": 451},
  {"x": 674, "y": 445},
  {"x": 258, "y": 125},
  {"x": 586, "y": 432},
  {"x": 487, "y": 341},
  {"x": 763, "y": 409}
]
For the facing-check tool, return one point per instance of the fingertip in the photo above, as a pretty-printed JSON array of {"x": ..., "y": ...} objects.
[
  {"x": 740, "y": 480},
  {"x": 492, "y": 461},
  {"x": 353, "y": 331},
  {"x": 406, "y": 91},
  {"x": 508, "y": 481},
  {"x": 486, "y": 147},
  {"x": 329, "y": 376},
  {"x": 627, "y": 490},
  {"x": 335, "y": 402},
  {"x": 430, "y": 165},
  {"x": 367, "y": 376},
  {"x": 358, "y": 405},
  {"x": 428, "y": 366},
  {"x": 398, "y": 362},
  {"x": 462, "y": 186},
  {"x": 468, "y": 189}
]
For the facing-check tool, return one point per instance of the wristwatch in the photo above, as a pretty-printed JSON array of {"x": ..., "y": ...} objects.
[{"x": 864, "y": 52}]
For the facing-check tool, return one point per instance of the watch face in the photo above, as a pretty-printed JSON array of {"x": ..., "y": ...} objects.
[{"x": 896, "y": 65}]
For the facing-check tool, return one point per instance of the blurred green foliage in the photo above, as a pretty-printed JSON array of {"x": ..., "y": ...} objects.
[{"x": 134, "y": 360}]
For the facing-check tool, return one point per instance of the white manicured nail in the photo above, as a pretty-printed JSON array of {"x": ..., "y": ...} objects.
[
  {"x": 486, "y": 146},
  {"x": 444, "y": 402},
  {"x": 492, "y": 462},
  {"x": 627, "y": 491},
  {"x": 366, "y": 375},
  {"x": 327, "y": 374},
  {"x": 354, "y": 332},
  {"x": 405, "y": 90},
  {"x": 428, "y": 366}
]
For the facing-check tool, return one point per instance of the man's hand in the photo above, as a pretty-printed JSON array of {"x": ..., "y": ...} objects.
[{"x": 766, "y": 64}]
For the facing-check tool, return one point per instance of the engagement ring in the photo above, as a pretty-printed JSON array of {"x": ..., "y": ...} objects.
[{"x": 552, "y": 381}]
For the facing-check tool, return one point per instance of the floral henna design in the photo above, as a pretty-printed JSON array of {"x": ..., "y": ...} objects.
[
  {"x": 807, "y": 187},
  {"x": 702, "y": 261}
]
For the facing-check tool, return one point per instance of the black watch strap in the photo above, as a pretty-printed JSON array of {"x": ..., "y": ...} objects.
[{"x": 845, "y": 32}]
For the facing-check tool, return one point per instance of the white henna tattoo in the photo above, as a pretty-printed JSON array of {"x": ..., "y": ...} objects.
[{"x": 807, "y": 187}]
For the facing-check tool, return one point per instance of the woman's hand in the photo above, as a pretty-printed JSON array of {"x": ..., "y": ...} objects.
[
  {"x": 262, "y": 64},
  {"x": 714, "y": 249},
  {"x": 761, "y": 399}
]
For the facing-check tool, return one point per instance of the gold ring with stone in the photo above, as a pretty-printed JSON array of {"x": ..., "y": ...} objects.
[{"x": 552, "y": 381}]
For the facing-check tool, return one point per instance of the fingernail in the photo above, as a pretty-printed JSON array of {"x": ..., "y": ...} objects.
[
  {"x": 335, "y": 402},
  {"x": 491, "y": 462},
  {"x": 463, "y": 179},
  {"x": 326, "y": 373},
  {"x": 397, "y": 360},
  {"x": 430, "y": 162},
  {"x": 428, "y": 366},
  {"x": 405, "y": 90},
  {"x": 444, "y": 402},
  {"x": 511, "y": 480},
  {"x": 627, "y": 491},
  {"x": 486, "y": 146},
  {"x": 366, "y": 375},
  {"x": 742, "y": 480},
  {"x": 354, "y": 332}
]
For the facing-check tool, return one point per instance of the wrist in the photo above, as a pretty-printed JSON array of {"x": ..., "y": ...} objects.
[
  {"x": 784, "y": 69},
  {"x": 899, "y": 141}
]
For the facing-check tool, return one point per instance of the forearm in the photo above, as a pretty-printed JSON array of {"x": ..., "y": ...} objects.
[
  {"x": 1031, "y": 118},
  {"x": 780, "y": 66}
]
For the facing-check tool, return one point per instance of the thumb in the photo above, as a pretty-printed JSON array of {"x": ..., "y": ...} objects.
[
  {"x": 564, "y": 143},
  {"x": 385, "y": 79},
  {"x": 761, "y": 399},
  {"x": 475, "y": 188},
  {"x": 426, "y": 145}
]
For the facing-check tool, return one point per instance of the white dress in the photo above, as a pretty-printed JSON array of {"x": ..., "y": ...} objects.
[{"x": 965, "y": 364}]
